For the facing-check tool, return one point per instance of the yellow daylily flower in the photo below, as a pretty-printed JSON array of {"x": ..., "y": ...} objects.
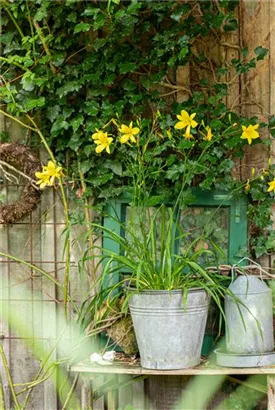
[
  {"x": 48, "y": 174},
  {"x": 43, "y": 179},
  {"x": 186, "y": 121},
  {"x": 102, "y": 141},
  {"x": 209, "y": 135},
  {"x": 271, "y": 186},
  {"x": 250, "y": 133},
  {"x": 129, "y": 133},
  {"x": 187, "y": 135}
]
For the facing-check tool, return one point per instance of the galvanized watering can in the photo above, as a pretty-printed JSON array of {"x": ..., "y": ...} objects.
[{"x": 249, "y": 322}]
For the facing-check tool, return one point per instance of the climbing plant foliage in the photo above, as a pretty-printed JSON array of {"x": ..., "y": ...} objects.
[{"x": 74, "y": 65}]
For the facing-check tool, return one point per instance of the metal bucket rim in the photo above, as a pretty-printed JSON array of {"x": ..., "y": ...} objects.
[{"x": 163, "y": 291}]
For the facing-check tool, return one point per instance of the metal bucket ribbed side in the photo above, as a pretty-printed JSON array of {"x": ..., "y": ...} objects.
[{"x": 169, "y": 334}]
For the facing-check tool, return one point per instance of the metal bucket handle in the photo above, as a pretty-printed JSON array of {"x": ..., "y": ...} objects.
[{"x": 253, "y": 264}]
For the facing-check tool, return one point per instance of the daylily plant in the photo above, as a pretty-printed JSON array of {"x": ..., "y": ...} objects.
[{"x": 189, "y": 128}]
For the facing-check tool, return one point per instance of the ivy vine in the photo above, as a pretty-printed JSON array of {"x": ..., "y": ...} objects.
[{"x": 74, "y": 65}]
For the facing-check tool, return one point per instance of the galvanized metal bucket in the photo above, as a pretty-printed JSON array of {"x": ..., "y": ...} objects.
[
  {"x": 169, "y": 334},
  {"x": 249, "y": 327}
]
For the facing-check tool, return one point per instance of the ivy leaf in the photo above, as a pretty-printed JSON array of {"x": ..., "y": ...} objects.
[
  {"x": 127, "y": 67},
  {"x": 59, "y": 125},
  {"x": 52, "y": 112},
  {"x": 260, "y": 52},
  {"x": 76, "y": 122},
  {"x": 179, "y": 12},
  {"x": 114, "y": 166},
  {"x": 99, "y": 21},
  {"x": 272, "y": 122},
  {"x": 81, "y": 27},
  {"x": 4, "y": 20},
  {"x": 59, "y": 58},
  {"x": 34, "y": 103},
  {"x": 231, "y": 25},
  {"x": 85, "y": 166},
  {"x": 88, "y": 149},
  {"x": 216, "y": 124},
  {"x": 4, "y": 136},
  {"x": 69, "y": 87}
]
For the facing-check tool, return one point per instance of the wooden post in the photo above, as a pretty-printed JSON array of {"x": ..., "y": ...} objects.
[
  {"x": 270, "y": 392},
  {"x": 183, "y": 80},
  {"x": 86, "y": 394}
]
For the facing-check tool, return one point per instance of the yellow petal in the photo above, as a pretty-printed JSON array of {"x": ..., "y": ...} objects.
[
  {"x": 184, "y": 114},
  {"x": 39, "y": 175},
  {"x": 270, "y": 187},
  {"x": 99, "y": 148},
  {"x": 132, "y": 138},
  {"x": 108, "y": 149},
  {"x": 254, "y": 134},
  {"x": 180, "y": 125},
  {"x": 51, "y": 165},
  {"x": 124, "y": 138},
  {"x": 194, "y": 124},
  {"x": 244, "y": 128},
  {"x": 124, "y": 129},
  {"x": 43, "y": 185},
  {"x": 135, "y": 130},
  {"x": 193, "y": 115}
]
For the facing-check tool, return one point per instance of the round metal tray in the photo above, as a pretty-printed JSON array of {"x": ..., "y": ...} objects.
[{"x": 244, "y": 360}]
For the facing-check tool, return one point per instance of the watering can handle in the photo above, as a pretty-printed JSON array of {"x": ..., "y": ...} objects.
[{"x": 246, "y": 259}]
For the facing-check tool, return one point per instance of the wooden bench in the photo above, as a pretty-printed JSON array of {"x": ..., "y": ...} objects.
[{"x": 109, "y": 389}]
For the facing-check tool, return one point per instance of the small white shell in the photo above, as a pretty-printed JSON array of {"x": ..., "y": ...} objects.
[
  {"x": 110, "y": 355},
  {"x": 95, "y": 357}
]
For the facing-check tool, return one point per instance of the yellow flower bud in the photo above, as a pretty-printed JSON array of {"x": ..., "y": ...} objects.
[
  {"x": 247, "y": 186},
  {"x": 253, "y": 171}
]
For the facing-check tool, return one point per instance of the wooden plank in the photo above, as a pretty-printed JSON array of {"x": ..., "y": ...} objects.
[
  {"x": 198, "y": 370},
  {"x": 162, "y": 392},
  {"x": 255, "y": 99},
  {"x": 139, "y": 395},
  {"x": 125, "y": 394}
]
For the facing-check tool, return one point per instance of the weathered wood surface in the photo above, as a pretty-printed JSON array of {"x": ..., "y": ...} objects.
[
  {"x": 271, "y": 392},
  {"x": 135, "y": 369}
]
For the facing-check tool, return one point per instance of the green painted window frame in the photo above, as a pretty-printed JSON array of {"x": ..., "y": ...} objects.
[{"x": 237, "y": 238}]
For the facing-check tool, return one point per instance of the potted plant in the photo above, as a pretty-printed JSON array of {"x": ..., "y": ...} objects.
[
  {"x": 167, "y": 290},
  {"x": 168, "y": 287}
]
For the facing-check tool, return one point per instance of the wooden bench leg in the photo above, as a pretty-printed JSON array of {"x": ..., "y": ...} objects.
[
  {"x": 86, "y": 394},
  {"x": 271, "y": 392}
]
